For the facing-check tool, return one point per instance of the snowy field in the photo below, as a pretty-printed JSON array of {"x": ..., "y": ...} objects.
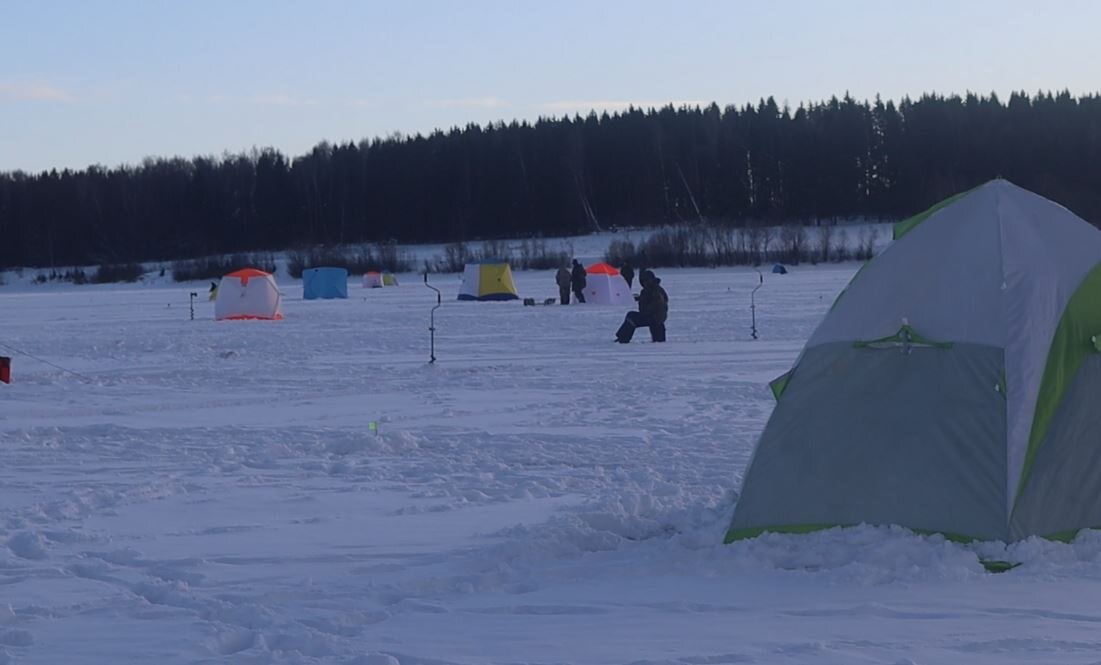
[{"x": 206, "y": 492}]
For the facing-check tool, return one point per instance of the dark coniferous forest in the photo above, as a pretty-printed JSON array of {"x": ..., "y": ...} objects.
[{"x": 755, "y": 164}]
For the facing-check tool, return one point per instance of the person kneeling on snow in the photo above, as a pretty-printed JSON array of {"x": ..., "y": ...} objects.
[{"x": 653, "y": 309}]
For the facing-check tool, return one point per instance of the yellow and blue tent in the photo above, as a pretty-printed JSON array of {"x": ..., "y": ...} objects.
[{"x": 488, "y": 279}]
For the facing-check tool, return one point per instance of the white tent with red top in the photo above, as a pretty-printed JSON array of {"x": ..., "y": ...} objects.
[
  {"x": 605, "y": 286},
  {"x": 248, "y": 294}
]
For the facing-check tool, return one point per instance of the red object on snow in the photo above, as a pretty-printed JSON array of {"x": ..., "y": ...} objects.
[{"x": 5, "y": 369}]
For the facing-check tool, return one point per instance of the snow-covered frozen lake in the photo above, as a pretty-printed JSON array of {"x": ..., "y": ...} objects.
[{"x": 208, "y": 492}]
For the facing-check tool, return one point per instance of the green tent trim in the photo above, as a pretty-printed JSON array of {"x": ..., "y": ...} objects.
[
  {"x": 748, "y": 533},
  {"x": 902, "y": 228},
  {"x": 907, "y": 225},
  {"x": 1064, "y": 536},
  {"x": 998, "y": 566},
  {"x": 780, "y": 383},
  {"x": 906, "y": 335},
  {"x": 859, "y": 270},
  {"x": 1071, "y": 345},
  {"x": 991, "y": 565}
]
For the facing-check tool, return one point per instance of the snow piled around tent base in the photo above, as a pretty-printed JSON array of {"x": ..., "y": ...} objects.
[{"x": 214, "y": 493}]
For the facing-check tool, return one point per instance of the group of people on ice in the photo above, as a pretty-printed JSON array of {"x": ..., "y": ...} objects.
[
  {"x": 653, "y": 301},
  {"x": 573, "y": 279}
]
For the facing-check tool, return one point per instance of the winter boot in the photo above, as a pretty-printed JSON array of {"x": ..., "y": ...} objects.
[{"x": 625, "y": 332}]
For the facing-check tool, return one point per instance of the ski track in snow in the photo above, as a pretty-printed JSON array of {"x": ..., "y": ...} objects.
[{"x": 211, "y": 492}]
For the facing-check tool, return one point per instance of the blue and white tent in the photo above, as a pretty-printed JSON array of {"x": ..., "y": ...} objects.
[{"x": 324, "y": 283}]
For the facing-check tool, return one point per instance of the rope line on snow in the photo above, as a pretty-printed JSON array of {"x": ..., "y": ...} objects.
[{"x": 12, "y": 349}]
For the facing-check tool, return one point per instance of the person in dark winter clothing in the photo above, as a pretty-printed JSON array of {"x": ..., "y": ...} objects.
[
  {"x": 653, "y": 310},
  {"x": 563, "y": 278},
  {"x": 577, "y": 280},
  {"x": 628, "y": 273}
]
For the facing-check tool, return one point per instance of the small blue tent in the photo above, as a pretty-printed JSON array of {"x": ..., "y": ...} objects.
[
  {"x": 324, "y": 283},
  {"x": 779, "y": 269}
]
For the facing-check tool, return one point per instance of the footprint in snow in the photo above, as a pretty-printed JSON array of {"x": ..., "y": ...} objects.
[
  {"x": 28, "y": 545},
  {"x": 16, "y": 638}
]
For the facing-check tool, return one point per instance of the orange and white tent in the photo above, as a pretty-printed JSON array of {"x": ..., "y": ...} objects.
[
  {"x": 373, "y": 280},
  {"x": 605, "y": 286},
  {"x": 248, "y": 294}
]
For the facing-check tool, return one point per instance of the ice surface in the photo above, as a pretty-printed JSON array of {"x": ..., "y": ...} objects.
[{"x": 208, "y": 492}]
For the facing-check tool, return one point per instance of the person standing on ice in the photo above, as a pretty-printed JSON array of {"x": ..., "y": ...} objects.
[
  {"x": 628, "y": 273},
  {"x": 653, "y": 310},
  {"x": 577, "y": 280},
  {"x": 562, "y": 278}
]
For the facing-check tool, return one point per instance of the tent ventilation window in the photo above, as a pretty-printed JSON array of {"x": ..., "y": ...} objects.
[{"x": 906, "y": 340}]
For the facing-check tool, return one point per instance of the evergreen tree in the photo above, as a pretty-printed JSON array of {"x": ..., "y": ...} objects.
[{"x": 749, "y": 165}]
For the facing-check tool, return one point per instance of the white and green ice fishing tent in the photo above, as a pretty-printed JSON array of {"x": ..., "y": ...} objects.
[{"x": 954, "y": 387}]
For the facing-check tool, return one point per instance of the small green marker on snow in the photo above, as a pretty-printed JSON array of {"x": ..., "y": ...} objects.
[
  {"x": 998, "y": 566},
  {"x": 373, "y": 426}
]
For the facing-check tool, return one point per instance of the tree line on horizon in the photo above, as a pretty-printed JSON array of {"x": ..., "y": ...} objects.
[{"x": 735, "y": 166}]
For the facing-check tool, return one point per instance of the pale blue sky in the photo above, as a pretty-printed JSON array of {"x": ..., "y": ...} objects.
[{"x": 112, "y": 81}]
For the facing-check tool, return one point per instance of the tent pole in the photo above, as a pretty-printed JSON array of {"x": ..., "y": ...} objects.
[
  {"x": 432, "y": 320},
  {"x": 753, "y": 301}
]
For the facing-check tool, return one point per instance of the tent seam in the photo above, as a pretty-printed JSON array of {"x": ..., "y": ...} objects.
[{"x": 1009, "y": 486}]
